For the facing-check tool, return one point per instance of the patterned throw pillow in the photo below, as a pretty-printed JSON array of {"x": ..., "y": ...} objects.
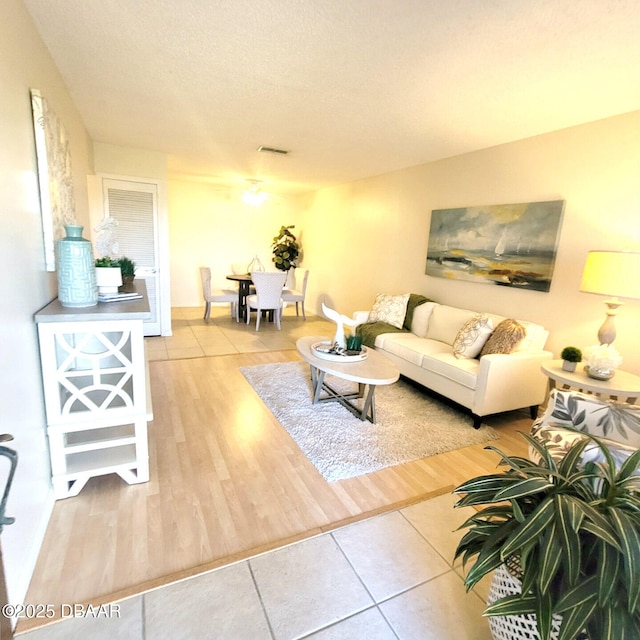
[
  {"x": 506, "y": 337},
  {"x": 588, "y": 413},
  {"x": 558, "y": 440},
  {"x": 472, "y": 336},
  {"x": 390, "y": 309}
]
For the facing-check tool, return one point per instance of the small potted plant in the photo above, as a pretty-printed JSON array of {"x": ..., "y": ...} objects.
[
  {"x": 128, "y": 269},
  {"x": 108, "y": 275},
  {"x": 286, "y": 249},
  {"x": 568, "y": 534},
  {"x": 570, "y": 358}
]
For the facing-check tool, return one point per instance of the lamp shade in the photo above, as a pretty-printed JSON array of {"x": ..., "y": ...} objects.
[{"x": 612, "y": 273}]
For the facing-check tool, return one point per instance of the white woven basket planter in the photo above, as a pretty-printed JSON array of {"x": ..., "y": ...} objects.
[{"x": 514, "y": 627}]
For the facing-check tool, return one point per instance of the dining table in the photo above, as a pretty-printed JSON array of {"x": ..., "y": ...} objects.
[{"x": 244, "y": 289}]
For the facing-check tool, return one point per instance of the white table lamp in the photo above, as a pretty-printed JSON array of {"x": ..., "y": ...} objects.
[{"x": 615, "y": 274}]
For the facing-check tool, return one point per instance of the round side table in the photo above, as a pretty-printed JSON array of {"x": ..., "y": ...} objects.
[{"x": 623, "y": 387}]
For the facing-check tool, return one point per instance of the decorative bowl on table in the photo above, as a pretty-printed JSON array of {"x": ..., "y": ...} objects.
[{"x": 332, "y": 351}]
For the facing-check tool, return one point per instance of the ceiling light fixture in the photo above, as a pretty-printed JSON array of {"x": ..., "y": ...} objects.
[{"x": 253, "y": 195}]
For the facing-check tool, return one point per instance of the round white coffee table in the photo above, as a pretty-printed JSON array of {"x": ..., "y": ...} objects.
[
  {"x": 375, "y": 369},
  {"x": 624, "y": 386}
]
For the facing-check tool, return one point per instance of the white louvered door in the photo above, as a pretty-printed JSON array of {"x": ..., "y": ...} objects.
[{"x": 135, "y": 206}]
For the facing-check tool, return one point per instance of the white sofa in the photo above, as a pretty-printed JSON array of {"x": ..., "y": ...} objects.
[{"x": 486, "y": 385}]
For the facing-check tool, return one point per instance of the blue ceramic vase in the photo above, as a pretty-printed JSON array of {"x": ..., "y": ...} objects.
[{"x": 76, "y": 269}]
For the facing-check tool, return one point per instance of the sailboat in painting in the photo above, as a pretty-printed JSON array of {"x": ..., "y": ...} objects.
[{"x": 501, "y": 245}]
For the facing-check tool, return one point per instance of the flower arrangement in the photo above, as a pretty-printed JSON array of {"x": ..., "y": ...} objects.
[{"x": 602, "y": 356}]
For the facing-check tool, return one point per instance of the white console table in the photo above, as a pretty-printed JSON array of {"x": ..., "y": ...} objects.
[{"x": 96, "y": 391}]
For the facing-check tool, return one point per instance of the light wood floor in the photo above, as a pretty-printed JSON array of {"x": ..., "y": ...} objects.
[{"x": 226, "y": 480}]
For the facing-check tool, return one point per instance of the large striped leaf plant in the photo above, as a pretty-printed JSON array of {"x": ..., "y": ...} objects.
[{"x": 574, "y": 528}]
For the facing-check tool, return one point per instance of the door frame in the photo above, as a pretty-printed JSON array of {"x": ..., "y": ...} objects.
[{"x": 97, "y": 213}]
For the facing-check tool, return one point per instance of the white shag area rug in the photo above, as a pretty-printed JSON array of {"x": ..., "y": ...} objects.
[{"x": 410, "y": 424}]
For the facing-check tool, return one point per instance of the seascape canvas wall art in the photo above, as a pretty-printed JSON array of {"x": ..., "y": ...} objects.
[{"x": 512, "y": 245}]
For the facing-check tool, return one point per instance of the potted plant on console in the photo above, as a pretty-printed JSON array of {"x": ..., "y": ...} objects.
[
  {"x": 128, "y": 269},
  {"x": 563, "y": 538},
  {"x": 570, "y": 358},
  {"x": 108, "y": 275}
]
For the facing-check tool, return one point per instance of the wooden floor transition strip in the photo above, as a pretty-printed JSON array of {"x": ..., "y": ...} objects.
[{"x": 184, "y": 574}]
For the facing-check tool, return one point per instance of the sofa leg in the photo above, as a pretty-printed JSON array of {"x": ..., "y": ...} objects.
[
  {"x": 533, "y": 411},
  {"x": 477, "y": 421}
]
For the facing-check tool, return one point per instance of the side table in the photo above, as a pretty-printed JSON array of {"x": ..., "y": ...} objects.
[{"x": 623, "y": 387}]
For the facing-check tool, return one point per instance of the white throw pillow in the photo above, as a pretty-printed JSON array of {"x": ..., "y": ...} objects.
[
  {"x": 472, "y": 336},
  {"x": 421, "y": 315},
  {"x": 389, "y": 309}
]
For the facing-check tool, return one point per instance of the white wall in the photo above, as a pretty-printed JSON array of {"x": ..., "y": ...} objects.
[
  {"x": 371, "y": 236},
  {"x": 25, "y": 286},
  {"x": 211, "y": 227},
  {"x": 125, "y": 161}
]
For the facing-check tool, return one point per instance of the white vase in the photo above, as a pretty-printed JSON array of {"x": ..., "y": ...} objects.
[{"x": 108, "y": 279}]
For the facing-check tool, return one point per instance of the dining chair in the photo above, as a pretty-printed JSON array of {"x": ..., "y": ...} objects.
[
  {"x": 268, "y": 296},
  {"x": 212, "y": 296},
  {"x": 298, "y": 291}
]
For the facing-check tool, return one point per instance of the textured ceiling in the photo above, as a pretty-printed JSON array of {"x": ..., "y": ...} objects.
[{"x": 351, "y": 88}]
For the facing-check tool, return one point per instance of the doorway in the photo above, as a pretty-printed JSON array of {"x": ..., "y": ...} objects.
[{"x": 134, "y": 204}]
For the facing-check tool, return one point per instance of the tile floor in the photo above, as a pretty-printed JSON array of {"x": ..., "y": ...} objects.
[
  {"x": 221, "y": 335},
  {"x": 388, "y": 577}
]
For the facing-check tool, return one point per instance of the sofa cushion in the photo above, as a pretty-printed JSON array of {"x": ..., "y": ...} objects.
[
  {"x": 410, "y": 347},
  {"x": 505, "y": 338},
  {"x": 420, "y": 321},
  {"x": 371, "y": 330},
  {"x": 415, "y": 300},
  {"x": 389, "y": 308},
  {"x": 472, "y": 336},
  {"x": 445, "y": 364},
  {"x": 445, "y": 322}
]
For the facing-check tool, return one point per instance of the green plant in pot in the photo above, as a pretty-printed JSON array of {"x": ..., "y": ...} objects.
[
  {"x": 572, "y": 527},
  {"x": 570, "y": 358},
  {"x": 128, "y": 269},
  {"x": 286, "y": 249}
]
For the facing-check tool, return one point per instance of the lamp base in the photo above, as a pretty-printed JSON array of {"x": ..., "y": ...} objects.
[{"x": 607, "y": 332}]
